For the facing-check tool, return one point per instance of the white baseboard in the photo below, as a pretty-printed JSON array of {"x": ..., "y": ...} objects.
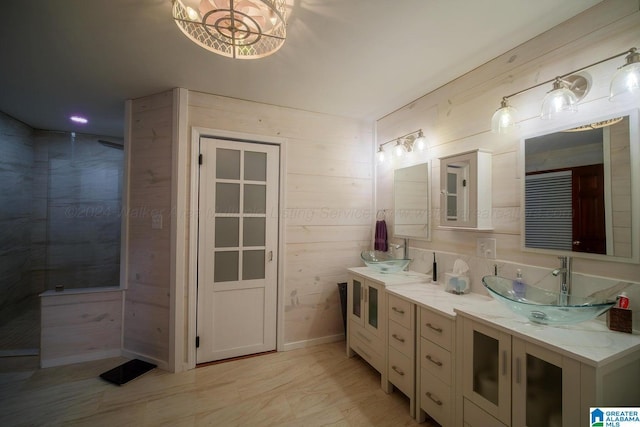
[
  {"x": 79, "y": 358},
  {"x": 161, "y": 364},
  {"x": 315, "y": 341}
]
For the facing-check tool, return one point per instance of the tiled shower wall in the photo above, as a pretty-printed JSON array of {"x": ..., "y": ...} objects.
[
  {"x": 16, "y": 185},
  {"x": 60, "y": 211}
]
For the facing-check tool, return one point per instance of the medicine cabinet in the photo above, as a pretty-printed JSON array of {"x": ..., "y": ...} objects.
[{"x": 465, "y": 195}]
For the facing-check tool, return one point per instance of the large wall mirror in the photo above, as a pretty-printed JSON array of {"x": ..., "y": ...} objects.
[
  {"x": 581, "y": 190},
  {"x": 411, "y": 202}
]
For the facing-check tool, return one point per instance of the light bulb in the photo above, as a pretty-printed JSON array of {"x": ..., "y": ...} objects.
[
  {"x": 380, "y": 154},
  {"x": 559, "y": 100},
  {"x": 504, "y": 119},
  {"x": 192, "y": 14},
  {"x": 398, "y": 149},
  {"x": 626, "y": 81},
  {"x": 421, "y": 141}
]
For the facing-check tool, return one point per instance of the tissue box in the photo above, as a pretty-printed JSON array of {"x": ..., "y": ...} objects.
[
  {"x": 620, "y": 319},
  {"x": 457, "y": 283}
]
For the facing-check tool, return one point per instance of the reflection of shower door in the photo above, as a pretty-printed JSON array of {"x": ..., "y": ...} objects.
[{"x": 237, "y": 249}]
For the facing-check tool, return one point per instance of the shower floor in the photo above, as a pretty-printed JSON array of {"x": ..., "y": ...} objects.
[{"x": 20, "y": 329}]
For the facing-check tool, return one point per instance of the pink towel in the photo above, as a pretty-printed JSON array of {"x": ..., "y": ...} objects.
[{"x": 380, "y": 240}]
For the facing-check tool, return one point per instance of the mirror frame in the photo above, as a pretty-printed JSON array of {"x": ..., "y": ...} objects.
[
  {"x": 428, "y": 204},
  {"x": 634, "y": 153}
]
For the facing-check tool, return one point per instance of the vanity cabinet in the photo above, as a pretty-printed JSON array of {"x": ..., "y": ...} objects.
[
  {"x": 367, "y": 318},
  {"x": 510, "y": 381},
  {"x": 401, "y": 350},
  {"x": 436, "y": 373},
  {"x": 465, "y": 190}
]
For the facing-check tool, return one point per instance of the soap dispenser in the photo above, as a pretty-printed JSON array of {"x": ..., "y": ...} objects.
[{"x": 518, "y": 285}]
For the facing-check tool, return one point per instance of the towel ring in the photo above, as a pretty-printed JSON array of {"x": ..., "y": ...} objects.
[{"x": 380, "y": 214}]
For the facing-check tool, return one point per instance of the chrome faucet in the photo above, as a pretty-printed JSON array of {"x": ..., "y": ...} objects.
[{"x": 565, "y": 279}]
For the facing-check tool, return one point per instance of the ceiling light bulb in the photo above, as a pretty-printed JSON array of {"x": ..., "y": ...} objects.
[
  {"x": 559, "y": 100},
  {"x": 79, "y": 119},
  {"x": 421, "y": 141},
  {"x": 626, "y": 81},
  {"x": 398, "y": 149},
  {"x": 504, "y": 119},
  {"x": 380, "y": 154}
]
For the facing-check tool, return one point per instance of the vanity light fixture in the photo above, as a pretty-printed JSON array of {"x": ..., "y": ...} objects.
[
  {"x": 404, "y": 144},
  {"x": 569, "y": 89},
  {"x": 242, "y": 29}
]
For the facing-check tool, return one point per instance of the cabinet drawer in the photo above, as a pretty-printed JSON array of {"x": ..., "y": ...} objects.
[
  {"x": 356, "y": 330},
  {"x": 436, "y": 360},
  {"x": 401, "y": 339},
  {"x": 400, "y": 311},
  {"x": 476, "y": 417},
  {"x": 368, "y": 353},
  {"x": 400, "y": 371},
  {"x": 436, "y": 398},
  {"x": 436, "y": 328}
]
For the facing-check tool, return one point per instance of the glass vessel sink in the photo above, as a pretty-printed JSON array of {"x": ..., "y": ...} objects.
[
  {"x": 383, "y": 262},
  {"x": 541, "y": 306}
]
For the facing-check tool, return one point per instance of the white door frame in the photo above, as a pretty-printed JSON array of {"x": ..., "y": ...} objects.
[{"x": 192, "y": 295}]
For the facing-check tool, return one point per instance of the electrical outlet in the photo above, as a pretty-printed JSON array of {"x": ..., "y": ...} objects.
[{"x": 486, "y": 248}]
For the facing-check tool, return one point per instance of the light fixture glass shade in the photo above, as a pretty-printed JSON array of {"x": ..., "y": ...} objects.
[
  {"x": 626, "y": 81},
  {"x": 398, "y": 149},
  {"x": 504, "y": 119},
  {"x": 420, "y": 142},
  {"x": 558, "y": 101},
  {"x": 244, "y": 29},
  {"x": 380, "y": 154}
]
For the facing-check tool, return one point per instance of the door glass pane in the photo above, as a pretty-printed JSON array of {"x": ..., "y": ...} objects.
[
  {"x": 227, "y": 232},
  {"x": 253, "y": 231},
  {"x": 544, "y": 393},
  {"x": 225, "y": 266},
  {"x": 357, "y": 297},
  {"x": 485, "y": 366},
  {"x": 255, "y": 198},
  {"x": 227, "y": 164},
  {"x": 255, "y": 166},
  {"x": 373, "y": 307},
  {"x": 227, "y": 198},
  {"x": 252, "y": 265}
]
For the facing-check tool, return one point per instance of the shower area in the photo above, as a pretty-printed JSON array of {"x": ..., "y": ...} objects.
[{"x": 60, "y": 216}]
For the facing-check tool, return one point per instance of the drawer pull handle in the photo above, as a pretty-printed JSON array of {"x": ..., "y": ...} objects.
[
  {"x": 364, "y": 337},
  {"x": 398, "y": 338},
  {"x": 432, "y": 360},
  {"x": 363, "y": 353},
  {"x": 397, "y": 310},
  {"x": 434, "y": 328},
  {"x": 435, "y": 400},
  {"x": 398, "y": 370}
]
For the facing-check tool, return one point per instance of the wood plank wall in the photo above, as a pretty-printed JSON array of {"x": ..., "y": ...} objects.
[
  {"x": 456, "y": 118},
  {"x": 146, "y": 328},
  {"x": 329, "y": 201}
]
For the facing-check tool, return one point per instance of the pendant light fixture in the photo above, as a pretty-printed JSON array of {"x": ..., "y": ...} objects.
[
  {"x": 626, "y": 81},
  {"x": 569, "y": 89},
  {"x": 242, "y": 29}
]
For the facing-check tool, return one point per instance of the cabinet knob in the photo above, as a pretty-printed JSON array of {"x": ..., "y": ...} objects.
[
  {"x": 434, "y": 328},
  {"x": 397, "y": 310},
  {"x": 432, "y": 360},
  {"x": 398, "y": 370},
  {"x": 398, "y": 338},
  {"x": 434, "y": 399}
]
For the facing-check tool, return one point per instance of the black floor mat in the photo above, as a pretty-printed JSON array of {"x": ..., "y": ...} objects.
[{"x": 127, "y": 371}]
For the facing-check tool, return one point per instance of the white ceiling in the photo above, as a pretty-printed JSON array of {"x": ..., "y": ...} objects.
[{"x": 355, "y": 58}]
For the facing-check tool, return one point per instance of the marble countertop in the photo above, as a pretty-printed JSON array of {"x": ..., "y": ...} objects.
[{"x": 589, "y": 342}]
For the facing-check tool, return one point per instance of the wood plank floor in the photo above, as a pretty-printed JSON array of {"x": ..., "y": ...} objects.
[{"x": 307, "y": 387}]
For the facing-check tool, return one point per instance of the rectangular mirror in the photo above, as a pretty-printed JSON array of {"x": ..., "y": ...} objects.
[
  {"x": 411, "y": 202},
  {"x": 581, "y": 190}
]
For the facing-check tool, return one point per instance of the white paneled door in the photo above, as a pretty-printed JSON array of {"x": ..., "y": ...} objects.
[{"x": 237, "y": 249}]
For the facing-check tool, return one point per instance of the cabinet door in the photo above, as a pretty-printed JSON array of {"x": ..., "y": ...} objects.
[
  {"x": 373, "y": 307},
  {"x": 487, "y": 369},
  {"x": 355, "y": 299},
  {"x": 545, "y": 387}
]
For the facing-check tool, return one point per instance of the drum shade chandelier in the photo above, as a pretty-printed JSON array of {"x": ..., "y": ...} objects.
[
  {"x": 570, "y": 88},
  {"x": 243, "y": 29}
]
